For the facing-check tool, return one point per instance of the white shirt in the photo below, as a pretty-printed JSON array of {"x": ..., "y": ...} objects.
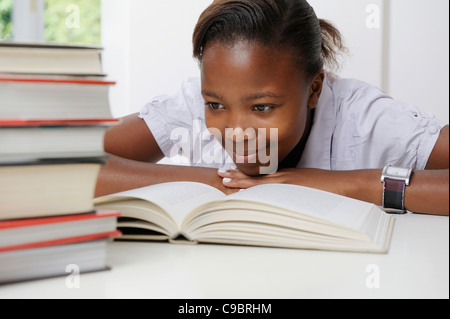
[{"x": 356, "y": 126}]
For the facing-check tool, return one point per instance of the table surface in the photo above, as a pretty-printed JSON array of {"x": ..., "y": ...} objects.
[{"x": 416, "y": 266}]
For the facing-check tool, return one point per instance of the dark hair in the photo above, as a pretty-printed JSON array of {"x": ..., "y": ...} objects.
[{"x": 283, "y": 24}]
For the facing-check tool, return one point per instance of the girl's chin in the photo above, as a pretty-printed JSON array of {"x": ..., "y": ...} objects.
[{"x": 254, "y": 169}]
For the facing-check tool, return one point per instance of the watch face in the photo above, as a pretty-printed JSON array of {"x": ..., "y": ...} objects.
[{"x": 397, "y": 171}]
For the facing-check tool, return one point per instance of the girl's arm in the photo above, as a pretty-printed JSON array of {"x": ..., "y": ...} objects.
[
  {"x": 428, "y": 191},
  {"x": 132, "y": 164}
]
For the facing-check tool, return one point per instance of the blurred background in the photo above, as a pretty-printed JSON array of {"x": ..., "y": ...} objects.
[{"x": 401, "y": 46}]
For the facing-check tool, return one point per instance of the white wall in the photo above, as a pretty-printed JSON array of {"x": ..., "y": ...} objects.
[
  {"x": 148, "y": 47},
  {"x": 360, "y": 23},
  {"x": 419, "y": 55}
]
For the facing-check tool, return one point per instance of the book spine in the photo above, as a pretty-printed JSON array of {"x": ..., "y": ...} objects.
[
  {"x": 62, "y": 241},
  {"x": 62, "y": 81}
]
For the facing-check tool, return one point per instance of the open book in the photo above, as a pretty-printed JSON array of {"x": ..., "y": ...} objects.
[{"x": 271, "y": 215}]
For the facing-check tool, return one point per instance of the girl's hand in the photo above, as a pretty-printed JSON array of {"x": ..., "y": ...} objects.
[{"x": 330, "y": 181}]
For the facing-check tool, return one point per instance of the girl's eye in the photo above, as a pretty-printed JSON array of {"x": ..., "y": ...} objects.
[
  {"x": 215, "y": 106},
  {"x": 262, "y": 108}
]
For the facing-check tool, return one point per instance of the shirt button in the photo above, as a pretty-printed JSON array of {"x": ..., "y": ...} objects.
[{"x": 433, "y": 129}]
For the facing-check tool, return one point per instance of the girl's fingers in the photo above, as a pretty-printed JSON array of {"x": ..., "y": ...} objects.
[
  {"x": 240, "y": 183},
  {"x": 237, "y": 179},
  {"x": 231, "y": 173}
]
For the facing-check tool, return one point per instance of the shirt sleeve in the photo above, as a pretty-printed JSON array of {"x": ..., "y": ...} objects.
[
  {"x": 168, "y": 116},
  {"x": 374, "y": 130}
]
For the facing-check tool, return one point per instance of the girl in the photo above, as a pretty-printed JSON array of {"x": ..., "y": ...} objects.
[{"x": 263, "y": 68}]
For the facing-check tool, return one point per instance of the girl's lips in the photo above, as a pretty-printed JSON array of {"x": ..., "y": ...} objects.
[
  {"x": 244, "y": 154},
  {"x": 245, "y": 158}
]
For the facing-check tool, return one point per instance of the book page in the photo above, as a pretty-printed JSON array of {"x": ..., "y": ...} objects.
[
  {"x": 327, "y": 206},
  {"x": 177, "y": 198}
]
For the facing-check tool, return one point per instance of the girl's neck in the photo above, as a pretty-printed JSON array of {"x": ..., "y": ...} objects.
[{"x": 293, "y": 158}]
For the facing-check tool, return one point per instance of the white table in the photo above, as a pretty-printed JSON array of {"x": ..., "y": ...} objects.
[{"x": 417, "y": 266}]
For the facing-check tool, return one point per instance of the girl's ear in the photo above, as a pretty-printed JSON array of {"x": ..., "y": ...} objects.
[{"x": 315, "y": 89}]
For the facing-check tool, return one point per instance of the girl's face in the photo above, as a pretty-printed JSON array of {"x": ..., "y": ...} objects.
[{"x": 250, "y": 90}]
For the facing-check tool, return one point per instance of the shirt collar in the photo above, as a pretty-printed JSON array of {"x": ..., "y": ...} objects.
[{"x": 317, "y": 153}]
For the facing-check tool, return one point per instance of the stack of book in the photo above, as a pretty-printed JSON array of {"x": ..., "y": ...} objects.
[{"x": 54, "y": 112}]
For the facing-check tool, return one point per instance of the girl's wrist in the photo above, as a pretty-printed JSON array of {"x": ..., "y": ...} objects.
[{"x": 364, "y": 185}]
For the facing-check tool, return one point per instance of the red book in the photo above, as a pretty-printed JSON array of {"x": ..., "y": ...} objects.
[
  {"x": 32, "y": 99},
  {"x": 57, "y": 230},
  {"x": 49, "y": 247},
  {"x": 56, "y": 80},
  {"x": 56, "y": 122}
]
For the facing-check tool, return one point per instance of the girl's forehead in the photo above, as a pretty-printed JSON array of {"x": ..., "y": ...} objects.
[
  {"x": 248, "y": 63},
  {"x": 243, "y": 51},
  {"x": 247, "y": 57}
]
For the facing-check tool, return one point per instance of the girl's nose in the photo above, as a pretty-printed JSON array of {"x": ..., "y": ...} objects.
[
  {"x": 239, "y": 135},
  {"x": 238, "y": 128}
]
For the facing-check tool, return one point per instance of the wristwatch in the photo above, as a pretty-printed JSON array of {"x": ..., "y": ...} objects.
[{"x": 395, "y": 180}]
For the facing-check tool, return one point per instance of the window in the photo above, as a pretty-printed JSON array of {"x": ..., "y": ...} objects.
[
  {"x": 76, "y": 22},
  {"x": 62, "y": 21},
  {"x": 6, "y": 19}
]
